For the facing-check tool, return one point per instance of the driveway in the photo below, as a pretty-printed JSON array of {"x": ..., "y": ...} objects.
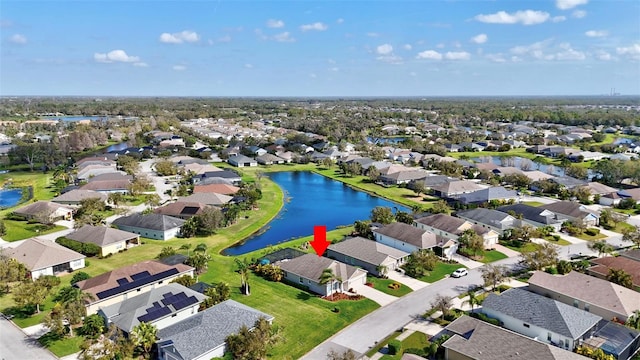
[
  {"x": 364, "y": 333},
  {"x": 15, "y": 345},
  {"x": 376, "y": 295},
  {"x": 505, "y": 250},
  {"x": 471, "y": 264},
  {"x": 413, "y": 284}
]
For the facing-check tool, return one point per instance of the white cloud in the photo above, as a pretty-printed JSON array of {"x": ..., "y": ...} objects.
[
  {"x": 180, "y": 37},
  {"x": 340, "y": 21},
  {"x": 384, "y": 49},
  {"x": 407, "y": 46},
  {"x": 557, "y": 19},
  {"x": 429, "y": 54},
  {"x": 390, "y": 58},
  {"x": 115, "y": 56},
  {"x": 141, "y": 64},
  {"x": 248, "y": 66},
  {"x": 526, "y": 17},
  {"x": 179, "y": 67},
  {"x": 596, "y": 33},
  {"x": 457, "y": 55},
  {"x": 275, "y": 24},
  {"x": 317, "y": 26},
  {"x": 18, "y": 39},
  {"x": 603, "y": 55},
  {"x": 283, "y": 37},
  {"x": 579, "y": 14},
  {"x": 496, "y": 58},
  {"x": 543, "y": 50},
  {"x": 632, "y": 51},
  {"x": 480, "y": 39},
  {"x": 568, "y": 53},
  {"x": 569, "y": 4}
]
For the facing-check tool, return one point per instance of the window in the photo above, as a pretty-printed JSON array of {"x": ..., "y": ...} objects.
[
  {"x": 576, "y": 303},
  {"x": 526, "y": 325},
  {"x": 561, "y": 343},
  {"x": 174, "y": 315},
  {"x": 548, "y": 336},
  {"x": 586, "y": 307},
  {"x": 139, "y": 290},
  {"x": 301, "y": 280},
  {"x": 160, "y": 282}
]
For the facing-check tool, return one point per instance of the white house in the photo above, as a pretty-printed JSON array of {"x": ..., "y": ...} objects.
[
  {"x": 152, "y": 226},
  {"x": 45, "y": 257}
]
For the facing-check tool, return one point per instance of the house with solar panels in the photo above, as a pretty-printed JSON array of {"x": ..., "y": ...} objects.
[
  {"x": 161, "y": 307},
  {"x": 129, "y": 281}
]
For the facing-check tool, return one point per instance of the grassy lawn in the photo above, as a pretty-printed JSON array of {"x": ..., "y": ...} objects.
[
  {"x": 585, "y": 236},
  {"x": 622, "y": 226},
  {"x": 417, "y": 340},
  {"x": 383, "y": 343},
  {"x": 560, "y": 242},
  {"x": 383, "y": 285},
  {"x": 491, "y": 256},
  {"x": 440, "y": 271},
  {"x": 532, "y": 203},
  {"x": 39, "y": 182},
  {"x": 62, "y": 347},
  {"x": 527, "y": 247},
  {"x": 18, "y": 230}
]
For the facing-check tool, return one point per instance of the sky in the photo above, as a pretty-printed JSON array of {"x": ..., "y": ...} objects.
[{"x": 325, "y": 48}]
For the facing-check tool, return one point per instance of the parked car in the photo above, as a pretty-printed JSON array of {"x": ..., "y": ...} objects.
[{"x": 460, "y": 273}]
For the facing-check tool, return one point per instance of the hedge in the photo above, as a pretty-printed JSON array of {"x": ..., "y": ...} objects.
[
  {"x": 395, "y": 347},
  {"x": 82, "y": 248}
]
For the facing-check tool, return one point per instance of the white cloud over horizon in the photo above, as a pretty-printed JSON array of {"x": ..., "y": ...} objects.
[
  {"x": 524, "y": 17},
  {"x": 569, "y": 4},
  {"x": 317, "y": 26},
  {"x": 429, "y": 54},
  {"x": 115, "y": 56},
  {"x": 180, "y": 37},
  {"x": 457, "y": 55}
]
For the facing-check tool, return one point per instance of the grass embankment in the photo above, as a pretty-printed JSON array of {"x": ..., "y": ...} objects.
[{"x": 383, "y": 285}]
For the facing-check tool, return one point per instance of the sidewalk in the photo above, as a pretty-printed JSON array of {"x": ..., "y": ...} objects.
[
  {"x": 375, "y": 295},
  {"x": 413, "y": 284},
  {"x": 505, "y": 250},
  {"x": 471, "y": 264}
]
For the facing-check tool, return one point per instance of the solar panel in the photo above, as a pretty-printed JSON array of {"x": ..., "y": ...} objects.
[
  {"x": 166, "y": 295},
  {"x": 135, "y": 283},
  {"x": 140, "y": 275},
  {"x": 190, "y": 210},
  {"x": 155, "y": 314},
  {"x": 122, "y": 281},
  {"x": 185, "y": 302}
]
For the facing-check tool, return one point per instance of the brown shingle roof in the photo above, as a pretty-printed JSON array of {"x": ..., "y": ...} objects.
[
  {"x": 100, "y": 235},
  {"x": 78, "y": 195},
  {"x": 181, "y": 208},
  {"x": 36, "y": 254},
  {"x": 121, "y": 184},
  {"x": 443, "y": 222},
  {"x": 630, "y": 266},
  {"x": 40, "y": 208},
  {"x": 311, "y": 266},
  {"x": 216, "y": 188},
  {"x": 410, "y": 234}
]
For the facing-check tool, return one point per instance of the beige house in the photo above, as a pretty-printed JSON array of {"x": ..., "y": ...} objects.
[
  {"x": 129, "y": 281},
  {"x": 45, "y": 212},
  {"x": 45, "y": 257},
  {"x": 452, "y": 227},
  {"x": 109, "y": 240},
  {"x": 75, "y": 197}
]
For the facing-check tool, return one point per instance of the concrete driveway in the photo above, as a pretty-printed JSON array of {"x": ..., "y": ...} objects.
[
  {"x": 15, "y": 345},
  {"x": 413, "y": 284},
  {"x": 376, "y": 295}
]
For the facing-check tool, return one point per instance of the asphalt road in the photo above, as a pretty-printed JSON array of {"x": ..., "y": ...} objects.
[
  {"x": 366, "y": 332},
  {"x": 15, "y": 345}
]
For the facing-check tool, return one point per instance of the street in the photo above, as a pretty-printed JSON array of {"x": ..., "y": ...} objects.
[{"x": 14, "y": 344}]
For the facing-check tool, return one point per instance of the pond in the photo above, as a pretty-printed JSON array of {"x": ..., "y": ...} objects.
[
  {"x": 387, "y": 140},
  {"x": 516, "y": 161},
  {"x": 311, "y": 199},
  {"x": 117, "y": 147},
  {"x": 10, "y": 197},
  {"x": 75, "y": 118}
]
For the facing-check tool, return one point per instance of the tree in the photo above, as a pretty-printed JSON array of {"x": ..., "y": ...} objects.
[
  {"x": 3, "y": 228},
  {"x": 634, "y": 320},
  {"x": 152, "y": 200},
  {"x": 620, "y": 277},
  {"x": 216, "y": 295},
  {"x": 166, "y": 252},
  {"x": 144, "y": 335},
  {"x": 345, "y": 355},
  {"x": 545, "y": 255},
  {"x": 79, "y": 276},
  {"x": 382, "y": 215},
  {"x": 493, "y": 275},
  {"x": 329, "y": 277},
  {"x": 442, "y": 303},
  {"x": 165, "y": 168},
  {"x": 210, "y": 219},
  {"x": 373, "y": 173},
  {"x": 441, "y": 207},
  {"x": 564, "y": 267},
  {"x": 632, "y": 235},
  {"x": 112, "y": 345},
  {"x": 418, "y": 187},
  {"x": 420, "y": 263},
  {"x": 128, "y": 164},
  {"x": 115, "y": 198},
  {"x": 201, "y": 248},
  {"x": 55, "y": 321},
  {"x": 253, "y": 344},
  {"x": 185, "y": 280},
  {"x": 576, "y": 171},
  {"x": 601, "y": 246},
  {"x": 92, "y": 326},
  {"x": 10, "y": 271},
  {"x": 231, "y": 213},
  {"x": 473, "y": 300},
  {"x": 31, "y": 293},
  {"x": 471, "y": 242},
  {"x": 404, "y": 217},
  {"x": 363, "y": 228},
  {"x": 243, "y": 270},
  {"x": 200, "y": 261},
  {"x": 186, "y": 246},
  {"x": 73, "y": 302}
]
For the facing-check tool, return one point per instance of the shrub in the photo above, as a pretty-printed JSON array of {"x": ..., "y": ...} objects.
[
  {"x": 485, "y": 318},
  {"x": 395, "y": 347},
  {"x": 551, "y": 270},
  {"x": 592, "y": 231},
  {"x": 84, "y": 249},
  {"x": 394, "y": 286},
  {"x": 79, "y": 276}
]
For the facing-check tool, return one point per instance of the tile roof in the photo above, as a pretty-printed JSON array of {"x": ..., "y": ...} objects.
[
  {"x": 589, "y": 289},
  {"x": 37, "y": 254},
  {"x": 149, "y": 221},
  {"x": 367, "y": 250},
  {"x": 207, "y": 198},
  {"x": 311, "y": 266},
  {"x": 480, "y": 340},
  {"x": 630, "y": 266},
  {"x": 224, "y": 189},
  {"x": 127, "y": 313},
  {"x": 78, "y": 195},
  {"x": 100, "y": 235},
  {"x": 209, "y": 329},
  {"x": 542, "y": 312},
  {"x": 109, "y": 280},
  {"x": 410, "y": 234}
]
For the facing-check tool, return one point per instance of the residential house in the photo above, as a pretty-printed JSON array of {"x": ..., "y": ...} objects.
[
  {"x": 489, "y": 194},
  {"x": 242, "y": 161},
  {"x": 112, "y": 176},
  {"x": 269, "y": 159},
  {"x": 541, "y": 318},
  {"x": 182, "y": 210},
  {"x": 307, "y": 269},
  {"x": 199, "y": 169},
  {"x": 567, "y": 182},
  {"x": 108, "y": 186},
  {"x": 596, "y": 188},
  {"x": 75, "y": 197},
  {"x": 160, "y": 307},
  {"x": 287, "y": 156},
  {"x": 402, "y": 177},
  {"x": 203, "y": 335},
  {"x": 224, "y": 189},
  {"x": 45, "y": 212},
  {"x": 601, "y": 297},
  {"x": 452, "y": 227},
  {"x": 228, "y": 177},
  {"x": 601, "y": 267},
  {"x": 473, "y": 339},
  {"x": 615, "y": 339},
  {"x": 409, "y": 239},
  {"x": 90, "y": 171},
  {"x": 488, "y": 218},
  {"x": 454, "y": 189},
  {"x": 532, "y": 216},
  {"x": 152, "y": 226},
  {"x": 573, "y": 211},
  {"x": 45, "y": 257},
  {"x": 129, "y": 281},
  {"x": 109, "y": 240},
  {"x": 537, "y": 175},
  {"x": 430, "y": 181},
  {"x": 207, "y": 198},
  {"x": 375, "y": 257}
]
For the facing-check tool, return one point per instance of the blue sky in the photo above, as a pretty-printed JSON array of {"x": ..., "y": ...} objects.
[{"x": 325, "y": 48}]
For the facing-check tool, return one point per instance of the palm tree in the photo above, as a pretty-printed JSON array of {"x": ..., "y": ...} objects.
[
  {"x": 144, "y": 335},
  {"x": 115, "y": 198},
  {"x": 602, "y": 247},
  {"x": 329, "y": 277},
  {"x": 202, "y": 247},
  {"x": 73, "y": 302},
  {"x": 473, "y": 299},
  {"x": 186, "y": 247},
  {"x": 493, "y": 275},
  {"x": 620, "y": 277},
  {"x": 243, "y": 270},
  {"x": 383, "y": 270}
]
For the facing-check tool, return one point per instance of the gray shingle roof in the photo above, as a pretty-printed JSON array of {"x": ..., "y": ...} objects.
[
  {"x": 367, "y": 250},
  {"x": 207, "y": 198},
  {"x": 480, "y": 340},
  {"x": 492, "y": 193},
  {"x": 150, "y": 221},
  {"x": 531, "y": 213},
  {"x": 487, "y": 216},
  {"x": 208, "y": 329},
  {"x": 410, "y": 234},
  {"x": 311, "y": 266},
  {"x": 100, "y": 235},
  {"x": 543, "y": 312},
  {"x": 443, "y": 222},
  {"x": 569, "y": 208},
  {"x": 78, "y": 195},
  {"x": 38, "y": 254},
  {"x": 125, "y": 314}
]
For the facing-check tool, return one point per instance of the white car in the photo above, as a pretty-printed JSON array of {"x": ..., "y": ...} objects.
[{"x": 460, "y": 273}]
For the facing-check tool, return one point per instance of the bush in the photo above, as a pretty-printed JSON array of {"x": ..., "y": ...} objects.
[
  {"x": 485, "y": 318},
  {"x": 551, "y": 270},
  {"x": 395, "y": 347},
  {"x": 79, "y": 276},
  {"x": 592, "y": 231},
  {"x": 84, "y": 249}
]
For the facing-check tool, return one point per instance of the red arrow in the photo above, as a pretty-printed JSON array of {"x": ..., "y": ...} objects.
[{"x": 320, "y": 242}]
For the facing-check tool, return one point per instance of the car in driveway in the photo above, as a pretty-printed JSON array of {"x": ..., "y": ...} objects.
[{"x": 459, "y": 273}]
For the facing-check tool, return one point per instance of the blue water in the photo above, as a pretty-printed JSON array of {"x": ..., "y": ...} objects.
[
  {"x": 557, "y": 170},
  {"x": 10, "y": 197},
  {"x": 311, "y": 199},
  {"x": 74, "y": 118},
  {"x": 117, "y": 147},
  {"x": 388, "y": 141}
]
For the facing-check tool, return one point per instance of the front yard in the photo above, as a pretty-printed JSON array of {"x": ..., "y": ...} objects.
[
  {"x": 491, "y": 256},
  {"x": 441, "y": 270},
  {"x": 19, "y": 230},
  {"x": 383, "y": 285}
]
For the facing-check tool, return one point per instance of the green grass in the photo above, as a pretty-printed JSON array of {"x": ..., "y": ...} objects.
[
  {"x": 585, "y": 236},
  {"x": 532, "y": 203},
  {"x": 18, "y": 230},
  {"x": 383, "y": 343},
  {"x": 491, "y": 256},
  {"x": 560, "y": 242},
  {"x": 440, "y": 271},
  {"x": 527, "y": 247},
  {"x": 383, "y": 285},
  {"x": 62, "y": 347},
  {"x": 622, "y": 226},
  {"x": 417, "y": 340}
]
